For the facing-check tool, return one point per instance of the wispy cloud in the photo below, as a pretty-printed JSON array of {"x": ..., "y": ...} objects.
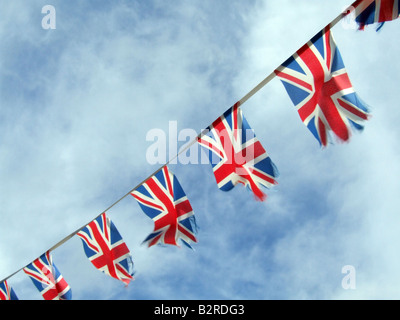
[{"x": 77, "y": 102}]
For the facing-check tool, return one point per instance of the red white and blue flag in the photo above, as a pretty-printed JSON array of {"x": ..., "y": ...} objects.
[
  {"x": 163, "y": 200},
  {"x": 368, "y": 12},
  {"x": 106, "y": 249},
  {"x": 319, "y": 86},
  {"x": 6, "y": 292},
  {"x": 236, "y": 155},
  {"x": 48, "y": 279}
]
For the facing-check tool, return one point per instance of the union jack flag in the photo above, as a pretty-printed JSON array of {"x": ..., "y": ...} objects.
[
  {"x": 319, "y": 86},
  {"x": 106, "y": 249},
  {"x": 163, "y": 200},
  {"x": 236, "y": 155},
  {"x": 6, "y": 292},
  {"x": 47, "y": 279},
  {"x": 375, "y": 11}
]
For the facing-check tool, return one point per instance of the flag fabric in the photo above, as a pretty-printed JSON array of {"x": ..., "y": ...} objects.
[
  {"x": 105, "y": 248},
  {"x": 6, "y": 292},
  {"x": 163, "y": 200},
  {"x": 236, "y": 155},
  {"x": 319, "y": 86},
  {"x": 48, "y": 279},
  {"x": 368, "y": 12}
]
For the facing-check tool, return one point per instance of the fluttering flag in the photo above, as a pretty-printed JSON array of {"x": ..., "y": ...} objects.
[
  {"x": 6, "y": 292},
  {"x": 106, "y": 249},
  {"x": 368, "y": 12},
  {"x": 236, "y": 155},
  {"x": 319, "y": 86},
  {"x": 48, "y": 279},
  {"x": 163, "y": 200}
]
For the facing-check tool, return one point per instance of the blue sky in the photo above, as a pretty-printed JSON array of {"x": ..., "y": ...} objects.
[{"x": 76, "y": 104}]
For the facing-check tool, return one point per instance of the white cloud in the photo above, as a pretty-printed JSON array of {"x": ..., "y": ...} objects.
[{"x": 73, "y": 142}]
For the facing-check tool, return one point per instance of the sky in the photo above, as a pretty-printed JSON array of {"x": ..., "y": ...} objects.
[{"x": 77, "y": 103}]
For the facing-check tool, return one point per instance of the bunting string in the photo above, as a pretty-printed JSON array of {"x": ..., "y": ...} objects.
[
  {"x": 243, "y": 100},
  {"x": 168, "y": 181}
]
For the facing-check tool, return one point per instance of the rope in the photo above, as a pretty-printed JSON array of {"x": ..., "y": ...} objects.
[{"x": 251, "y": 93}]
